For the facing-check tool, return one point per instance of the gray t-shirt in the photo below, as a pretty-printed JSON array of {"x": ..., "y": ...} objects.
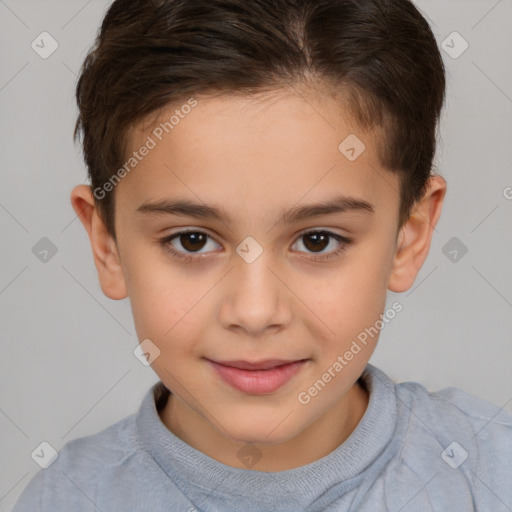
[{"x": 413, "y": 451}]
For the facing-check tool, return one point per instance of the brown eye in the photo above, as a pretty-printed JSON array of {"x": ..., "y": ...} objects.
[
  {"x": 193, "y": 241},
  {"x": 188, "y": 243},
  {"x": 317, "y": 241}
]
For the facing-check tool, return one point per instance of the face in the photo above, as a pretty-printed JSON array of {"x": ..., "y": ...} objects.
[{"x": 268, "y": 276}]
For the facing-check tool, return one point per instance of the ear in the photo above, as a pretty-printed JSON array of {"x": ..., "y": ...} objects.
[
  {"x": 415, "y": 236},
  {"x": 104, "y": 248}
]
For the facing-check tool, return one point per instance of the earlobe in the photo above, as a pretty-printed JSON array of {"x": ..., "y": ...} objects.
[
  {"x": 415, "y": 236},
  {"x": 104, "y": 248}
]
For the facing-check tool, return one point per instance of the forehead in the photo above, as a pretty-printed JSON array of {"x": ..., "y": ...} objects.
[{"x": 255, "y": 151}]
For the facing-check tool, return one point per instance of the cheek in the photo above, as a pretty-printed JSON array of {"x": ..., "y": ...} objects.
[
  {"x": 163, "y": 299},
  {"x": 352, "y": 298}
]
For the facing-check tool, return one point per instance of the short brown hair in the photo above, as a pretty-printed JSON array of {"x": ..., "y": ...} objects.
[{"x": 150, "y": 54}]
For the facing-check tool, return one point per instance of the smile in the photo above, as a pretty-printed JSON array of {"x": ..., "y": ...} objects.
[{"x": 264, "y": 377}]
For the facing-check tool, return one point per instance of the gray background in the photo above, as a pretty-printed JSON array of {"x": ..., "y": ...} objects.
[{"x": 67, "y": 367}]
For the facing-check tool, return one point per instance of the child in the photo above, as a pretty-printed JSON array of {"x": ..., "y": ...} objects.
[{"x": 292, "y": 142}]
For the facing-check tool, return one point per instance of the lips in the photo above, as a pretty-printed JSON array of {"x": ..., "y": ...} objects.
[
  {"x": 261, "y": 365},
  {"x": 260, "y": 377}
]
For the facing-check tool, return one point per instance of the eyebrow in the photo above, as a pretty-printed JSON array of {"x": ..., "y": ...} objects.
[{"x": 187, "y": 208}]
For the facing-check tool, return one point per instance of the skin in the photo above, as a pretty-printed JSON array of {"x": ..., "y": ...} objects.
[{"x": 256, "y": 157}]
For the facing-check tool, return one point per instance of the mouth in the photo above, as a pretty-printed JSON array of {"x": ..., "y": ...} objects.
[
  {"x": 262, "y": 365},
  {"x": 260, "y": 377}
]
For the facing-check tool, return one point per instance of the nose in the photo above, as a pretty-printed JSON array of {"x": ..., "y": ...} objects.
[{"x": 255, "y": 298}]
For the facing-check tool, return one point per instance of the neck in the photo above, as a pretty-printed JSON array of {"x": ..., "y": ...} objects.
[{"x": 317, "y": 440}]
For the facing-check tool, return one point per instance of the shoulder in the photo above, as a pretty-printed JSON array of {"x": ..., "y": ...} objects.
[
  {"x": 108, "y": 447},
  {"x": 96, "y": 452},
  {"x": 72, "y": 481},
  {"x": 452, "y": 410},
  {"x": 460, "y": 438}
]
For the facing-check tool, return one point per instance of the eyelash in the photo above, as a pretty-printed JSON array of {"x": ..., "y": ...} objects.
[{"x": 188, "y": 258}]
